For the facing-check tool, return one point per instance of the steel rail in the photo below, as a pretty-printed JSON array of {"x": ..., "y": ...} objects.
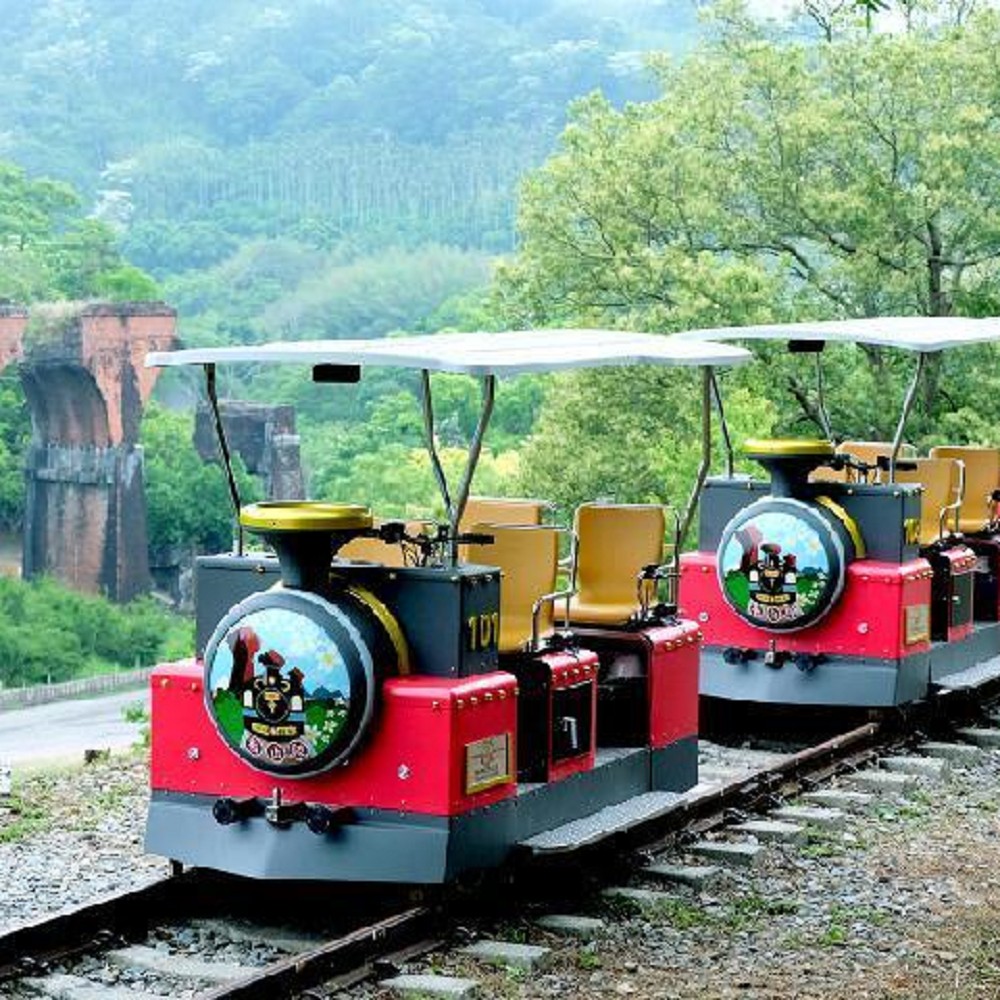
[
  {"x": 335, "y": 957},
  {"x": 74, "y": 930}
]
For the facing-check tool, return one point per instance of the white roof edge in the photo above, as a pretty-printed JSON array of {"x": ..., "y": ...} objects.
[
  {"x": 923, "y": 334},
  {"x": 507, "y": 353}
]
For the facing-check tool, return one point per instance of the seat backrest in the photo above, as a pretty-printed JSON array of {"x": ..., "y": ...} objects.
[
  {"x": 614, "y": 542},
  {"x": 502, "y": 510},
  {"x": 941, "y": 480},
  {"x": 824, "y": 474},
  {"x": 498, "y": 510},
  {"x": 374, "y": 550},
  {"x": 528, "y": 559},
  {"x": 982, "y": 477},
  {"x": 870, "y": 451}
]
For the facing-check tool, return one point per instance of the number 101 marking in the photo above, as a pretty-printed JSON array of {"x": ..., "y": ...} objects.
[{"x": 484, "y": 631}]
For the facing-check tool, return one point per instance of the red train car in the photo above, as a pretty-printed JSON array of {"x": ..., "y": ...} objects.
[{"x": 411, "y": 719}]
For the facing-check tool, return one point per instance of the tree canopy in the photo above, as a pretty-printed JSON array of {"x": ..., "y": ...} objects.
[
  {"x": 50, "y": 250},
  {"x": 777, "y": 178}
]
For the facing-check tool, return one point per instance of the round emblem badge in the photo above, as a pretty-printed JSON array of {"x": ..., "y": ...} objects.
[
  {"x": 781, "y": 564},
  {"x": 288, "y": 682}
]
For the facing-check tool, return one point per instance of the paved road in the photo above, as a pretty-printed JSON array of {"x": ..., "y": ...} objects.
[{"x": 62, "y": 730}]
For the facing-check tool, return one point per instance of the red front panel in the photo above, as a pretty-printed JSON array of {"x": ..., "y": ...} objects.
[
  {"x": 673, "y": 682},
  {"x": 577, "y": 669},
  {"x": 883, "y": 612},
  {"x": 436, "y": 746}
]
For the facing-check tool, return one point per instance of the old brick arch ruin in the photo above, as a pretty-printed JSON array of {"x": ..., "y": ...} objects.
[{"x": 81, "y": 367}]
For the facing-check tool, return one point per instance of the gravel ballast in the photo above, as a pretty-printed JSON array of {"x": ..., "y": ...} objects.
[
  {"x": 898, "y": 902},
  {"x": 71, "y": 835}
]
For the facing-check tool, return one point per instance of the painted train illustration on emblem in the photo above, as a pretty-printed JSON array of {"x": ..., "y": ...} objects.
[
  {"x": 775, "y": 568},
  {"x": 278, "y": 688}
]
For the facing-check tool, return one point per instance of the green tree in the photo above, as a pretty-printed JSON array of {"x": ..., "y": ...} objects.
[
  {"x": 15, "y": 432},
  {"x": 49, "y": 250},
  {"x": 187, "y": 499},
  {"x": 774, "y": 179}
]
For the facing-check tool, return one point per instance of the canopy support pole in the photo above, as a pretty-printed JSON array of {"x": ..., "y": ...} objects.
[
  {"x": 723, "y": 426},
  {"x": 911, "y": 394},
  {"x": 824, "y": 416},
  {"x": 489, "y": 389},
  {"x": 455, "y": 507},
  {"x": 227, "y": 461},
  {"x": 427, "y": 405},
  {"x": 707, "y": 377}
]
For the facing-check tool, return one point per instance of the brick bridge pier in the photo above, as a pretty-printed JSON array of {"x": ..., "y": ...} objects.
[{"x": 85, "y": 384}]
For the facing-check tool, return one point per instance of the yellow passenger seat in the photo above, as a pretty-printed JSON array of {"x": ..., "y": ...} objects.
[
  {"x": 942, "y": 482},
  {"x": 502, "y": 510},
  {"x": 870, "y": 452},
  {"x": 499, "y": 510},
  {"x": 824, "y": 474},
  {"x": 982, "y": 477},
  {"x": 615, "y": 542},
  {"x": 374, "y": 550},
  {"x": 528, "y": 559}
]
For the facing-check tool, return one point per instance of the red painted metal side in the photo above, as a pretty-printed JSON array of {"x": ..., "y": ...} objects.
[
  {"x": 415, "y": 760},
  {"x": 869, "y": 619},
  {"x": 673, "y": 682},
  {"x": 570, "y": 669}
]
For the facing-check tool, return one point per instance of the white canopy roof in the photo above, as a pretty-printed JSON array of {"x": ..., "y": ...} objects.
[
  {"x": 508, "y": 353},
  {"x": 924, "y": 334}
]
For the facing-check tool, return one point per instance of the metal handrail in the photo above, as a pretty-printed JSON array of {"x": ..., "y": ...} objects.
[
  {"x": 669, "y": 571},
  {"x": 911, "y": 394},
  {"x": 956, "y": 505},
  {"x": 707, "y": 376},
  {"x": 557, "y": 595}
]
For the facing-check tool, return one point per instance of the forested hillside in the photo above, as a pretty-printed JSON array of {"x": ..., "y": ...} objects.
[
  {"x": 386, "y": 121},
  {"x": 338, "y": 168},
  {"x": 302, "y": 169}
]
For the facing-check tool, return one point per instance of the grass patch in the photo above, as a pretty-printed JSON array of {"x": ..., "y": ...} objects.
[
  {"x": 680, "y": 914},
  {"x": 843, "y": 918},
  {"x": 135, "y": 713},
  {"x": 835, "y": 936},
  {"x": 748, "y": 910},
  {"x": 822, "y": 845},
  {"x": 24, "y": 818}
]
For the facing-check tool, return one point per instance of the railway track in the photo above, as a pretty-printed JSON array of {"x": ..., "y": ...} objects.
[{"x": 211, "y": 936}]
